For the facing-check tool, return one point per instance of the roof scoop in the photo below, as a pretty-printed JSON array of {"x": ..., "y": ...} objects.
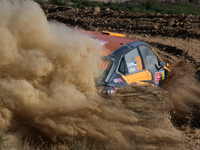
[{"x": 112, "y": 33}]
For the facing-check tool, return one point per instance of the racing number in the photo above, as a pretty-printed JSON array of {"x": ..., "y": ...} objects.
[
  {"x": 138, "y": 59},
  {"x": 103, "y": 65}
]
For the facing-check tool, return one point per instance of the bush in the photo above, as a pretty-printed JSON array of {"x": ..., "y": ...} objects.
[
  {"x": 58, "y": 2},
  {"x": 82, "y": 6},
  {"x": 39, "y": 2},
  {"x": 148, "y": 6}
]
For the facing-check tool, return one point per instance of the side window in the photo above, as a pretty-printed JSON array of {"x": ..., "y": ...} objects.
[
  {"x": 133, "y": 61},
  {"x": 149, "y": 57},
  {"x": 122, "y": 66}
]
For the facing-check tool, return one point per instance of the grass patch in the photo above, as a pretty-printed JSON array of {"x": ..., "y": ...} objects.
[
  {"x": 58, "y": 2},
  {"x": 39, "y": 2},
  {"x": 143, "y": 7},
  {"x": 170, "y": 8}
]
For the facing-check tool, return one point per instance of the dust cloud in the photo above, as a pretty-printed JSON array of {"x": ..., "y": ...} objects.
[
  {"x": 47, "y": 89},
  {"x": 184, "y": 92}
]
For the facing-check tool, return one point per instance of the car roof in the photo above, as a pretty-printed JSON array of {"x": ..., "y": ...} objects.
[{"x": 110, "y": 40}]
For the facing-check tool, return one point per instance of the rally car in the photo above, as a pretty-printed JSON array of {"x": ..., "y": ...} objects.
[{"x": 127, "y": 61}]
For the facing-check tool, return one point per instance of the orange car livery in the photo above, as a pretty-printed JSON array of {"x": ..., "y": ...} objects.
[{"x": 127, "y": 61}]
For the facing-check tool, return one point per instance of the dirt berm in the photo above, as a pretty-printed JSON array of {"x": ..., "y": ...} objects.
[{"x": 155, "y": 24}]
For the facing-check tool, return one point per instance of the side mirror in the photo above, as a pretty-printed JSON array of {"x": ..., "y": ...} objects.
[{"x": 162, "y": 63}]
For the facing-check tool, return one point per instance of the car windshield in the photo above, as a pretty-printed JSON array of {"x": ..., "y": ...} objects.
[{"x": 103, "y": 70}]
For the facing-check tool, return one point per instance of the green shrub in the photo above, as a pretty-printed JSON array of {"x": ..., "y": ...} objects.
[
  {"x": 148, "y": 6},
  {"x": 86, "y": 3},
  {"x": 58, "y": 2},
  {"x": 82, "y": 6},
  {"x": 39, "y": 2},
  {"x": 76, "y": 1}
]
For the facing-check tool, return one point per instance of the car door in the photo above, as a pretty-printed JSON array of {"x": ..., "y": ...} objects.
[
  {"x": 151, "y": 64},
  {"x": 131, "y": 68}
]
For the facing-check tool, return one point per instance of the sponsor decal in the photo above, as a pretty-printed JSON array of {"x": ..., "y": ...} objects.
[
  {"x": 132, "y": 64},
  {"x": 163, "y": 75},
  {"x": 132, "y": 69},
  {"x": 117, "y": 80},
  {"x": 159, "y": 76},
  {"x": 103, "y": 42}
]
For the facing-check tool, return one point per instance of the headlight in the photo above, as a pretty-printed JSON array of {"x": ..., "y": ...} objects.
[{"x": 107, "y": 91}]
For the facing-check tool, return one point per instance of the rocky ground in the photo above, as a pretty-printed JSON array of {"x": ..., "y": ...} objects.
[{"x": 182, "y": 26}]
